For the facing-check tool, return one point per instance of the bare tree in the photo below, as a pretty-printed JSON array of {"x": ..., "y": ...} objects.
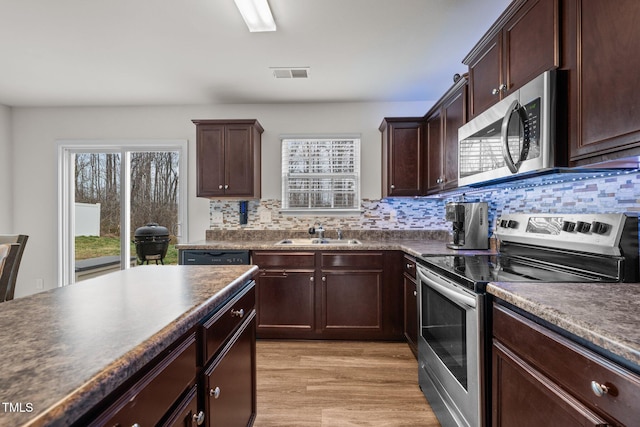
[{"x": 154, "y": 188}]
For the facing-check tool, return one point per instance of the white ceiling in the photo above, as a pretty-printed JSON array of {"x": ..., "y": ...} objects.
[{"x": 184, "y": 52}]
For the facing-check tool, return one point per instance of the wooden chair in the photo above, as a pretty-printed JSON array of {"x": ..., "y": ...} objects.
[
  {"x": 8, "y": 255},
  {"x": 12, "y": 263}
]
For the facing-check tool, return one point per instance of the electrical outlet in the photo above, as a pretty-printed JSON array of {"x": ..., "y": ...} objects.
[
  {"x": 265, "y": 215},
  {"x": 217, "y": 218},
  {"x": 39, "y": 283}
]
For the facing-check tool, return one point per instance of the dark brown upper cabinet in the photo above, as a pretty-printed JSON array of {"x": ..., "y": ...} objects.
[
  {"x": 442, "y": 123},
  {"x": 228, "y": 158},
  {"x": 523, "y": 43},
  {"x": 602, "y": 42},
  {"x": 402, "y": 156}
]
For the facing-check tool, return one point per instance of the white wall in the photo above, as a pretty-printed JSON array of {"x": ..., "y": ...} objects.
[
  {"x": 6, "y": 217},
  {"x": 36, "y": 130}
]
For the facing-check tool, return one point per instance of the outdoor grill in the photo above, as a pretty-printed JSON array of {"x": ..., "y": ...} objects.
[{"x": 152, "y": 242}]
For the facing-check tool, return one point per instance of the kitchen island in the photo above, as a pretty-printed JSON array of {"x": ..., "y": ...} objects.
[{"x": 66, "y": 350}]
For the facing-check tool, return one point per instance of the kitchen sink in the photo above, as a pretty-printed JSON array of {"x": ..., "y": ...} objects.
[{"x": 317, "y": 241}]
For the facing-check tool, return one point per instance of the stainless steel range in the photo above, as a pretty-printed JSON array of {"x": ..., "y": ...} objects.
[{"x": 453, "y": 343}]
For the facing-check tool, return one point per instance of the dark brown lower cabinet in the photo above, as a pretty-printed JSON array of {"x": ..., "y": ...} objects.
[
  {"x": 328, "y": 295},
  {"x": 524, "y": 397},
  {"x": 230, "y": 381},
  {"x": 543, "y": 378},
  {"x": 286, "y": 300},
  {"x": 351, "y": 301},
  {"x": 285, "y": 295},
  {"x": 229, "y": 365}
]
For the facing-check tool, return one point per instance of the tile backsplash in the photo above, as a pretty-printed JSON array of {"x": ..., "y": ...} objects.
[{"x": 614, "y": 193}]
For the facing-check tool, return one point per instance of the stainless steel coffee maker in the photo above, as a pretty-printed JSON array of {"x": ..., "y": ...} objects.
[{"x": 470, "y": 225}]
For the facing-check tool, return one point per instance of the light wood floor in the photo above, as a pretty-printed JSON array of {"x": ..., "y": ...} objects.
[{"x": 337, "y": 383}]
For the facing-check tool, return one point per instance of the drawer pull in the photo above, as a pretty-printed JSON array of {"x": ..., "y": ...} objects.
[
  {"x": 198, "y": 418},
  {"x": 409, "y": 266},
  {"x": 238, "y": 313},
  {"x": 214, "y": 392},
  {"x": 599, "y": 389}
]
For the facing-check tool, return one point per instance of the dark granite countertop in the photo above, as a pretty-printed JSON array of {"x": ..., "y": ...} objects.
[
  {"x": 414, "y": 247},
  {"x": 606, "y": 315},
  {"x": 66, "y": 349}
]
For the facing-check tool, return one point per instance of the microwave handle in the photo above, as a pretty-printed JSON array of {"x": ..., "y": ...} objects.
[{"x": 508, "y": 159}]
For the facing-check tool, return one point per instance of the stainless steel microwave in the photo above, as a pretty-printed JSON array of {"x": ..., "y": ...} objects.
[{"x": 514, "y": 136}]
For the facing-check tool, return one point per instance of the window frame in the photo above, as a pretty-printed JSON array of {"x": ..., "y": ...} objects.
[{"x": 354, "y": 175}]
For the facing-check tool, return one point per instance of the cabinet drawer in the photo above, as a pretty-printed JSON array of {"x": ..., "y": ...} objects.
[
  {"x": 365, "y": 260},
  {"x": 221, "y": 325},
  {"x": 409, "y": 266},
  {"x": 148, "y": 399},
  {"x": 186, "y": 413},
  {"x": 284, "y": 260},
  {"x": 570, "y": 365}
]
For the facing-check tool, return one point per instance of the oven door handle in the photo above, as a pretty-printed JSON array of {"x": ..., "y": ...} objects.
[{"x": 448, "y": 290}]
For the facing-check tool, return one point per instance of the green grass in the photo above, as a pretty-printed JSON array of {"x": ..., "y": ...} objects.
[{"x": 93, "y": 247}]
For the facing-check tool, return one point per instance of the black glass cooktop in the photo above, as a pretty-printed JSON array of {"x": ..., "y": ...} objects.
[{"x": 501, "y": 268}]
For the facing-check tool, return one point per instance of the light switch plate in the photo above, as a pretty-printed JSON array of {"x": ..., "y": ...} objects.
[
  {"x": 217, "y": 218},
  {"x": 265, "y": 215}
]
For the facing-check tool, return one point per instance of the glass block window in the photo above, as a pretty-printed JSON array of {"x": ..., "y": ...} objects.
[{"x": 321, "y": 174}]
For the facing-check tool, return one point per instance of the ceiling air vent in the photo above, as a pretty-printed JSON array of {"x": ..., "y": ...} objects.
[{"x": 291, "y": 73}]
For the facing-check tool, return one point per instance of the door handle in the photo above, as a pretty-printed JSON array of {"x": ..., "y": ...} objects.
[{"x": 506, "y": 154}]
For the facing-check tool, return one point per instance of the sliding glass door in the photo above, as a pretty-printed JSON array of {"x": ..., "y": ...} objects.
[{"x": 106, "y": 193}]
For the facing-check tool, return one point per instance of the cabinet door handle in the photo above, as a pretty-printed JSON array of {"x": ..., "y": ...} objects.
[
  {"x": 415, "y": 293},
  {"x": 501, "y": 88},
  {"x": 324, "y": 278},
  {"x": 273, "y": 274},
  {"x": 311, "y": 279},
  {"x": 198, "y": 418},
  {"x": 226, "y": 186},
  {"x": 214, "y": 392},
  {"x": 393, "y": 186},
  {"x": 238, "y": 313},
  {"x": 220, "y": 187},
  {"x": 599, "y": 389},
  {"x": 409, "y": 266}
]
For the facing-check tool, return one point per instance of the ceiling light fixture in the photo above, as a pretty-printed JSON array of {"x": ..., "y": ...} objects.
[{"x": 256, "y": 15}]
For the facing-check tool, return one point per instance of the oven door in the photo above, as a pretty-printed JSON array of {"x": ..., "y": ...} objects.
[{"x": 449, "y": 349}]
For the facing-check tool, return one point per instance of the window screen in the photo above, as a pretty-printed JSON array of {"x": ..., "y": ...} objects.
[{"x": 321, "y": 174}]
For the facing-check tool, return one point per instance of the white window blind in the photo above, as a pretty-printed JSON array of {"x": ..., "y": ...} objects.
[{"x": 321, "y": 174}]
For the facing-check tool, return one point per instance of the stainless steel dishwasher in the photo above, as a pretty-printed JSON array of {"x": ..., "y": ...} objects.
[{"x": 213, "y": 257}]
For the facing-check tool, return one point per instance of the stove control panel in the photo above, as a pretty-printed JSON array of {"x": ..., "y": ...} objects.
[{"x": 595, "y": 233}]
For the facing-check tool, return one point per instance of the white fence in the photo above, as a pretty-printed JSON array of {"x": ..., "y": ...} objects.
[{"x": 87, "y": 219}]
